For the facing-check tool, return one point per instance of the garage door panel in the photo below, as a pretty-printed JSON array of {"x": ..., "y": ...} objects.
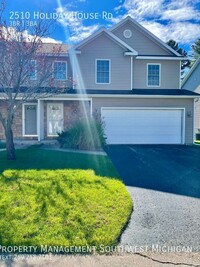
[{"x": 138, "y": 126}]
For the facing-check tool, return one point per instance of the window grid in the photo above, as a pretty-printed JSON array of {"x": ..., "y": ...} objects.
[
  {"x": 60, "y": 70},
  {"x": 103, "y": 71},
  {"x": 153, "y": 75},
  {"x": 33, "y": 70}
]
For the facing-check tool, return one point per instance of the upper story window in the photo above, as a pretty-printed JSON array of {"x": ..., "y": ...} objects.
[
  {"x": 103, "y": 71},
  {"x": 153, "y": 75},
  {"x": 33, "y": 70},
  {"x": 60, "y": 70}
]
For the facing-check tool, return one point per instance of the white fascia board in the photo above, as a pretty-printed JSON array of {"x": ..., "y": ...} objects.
[
  {"x": 110, "y": 34},
  {"x": 148, "y": 33},
  {"x": 130, "y": 54},
  {"x": 72, "y": 97},
  {"x": 190, "y": 71},
  {"x": 161, "y": 58},
  {"x": 90, "y": 96},
  {"x": 59, "y": 55},
  {"x": 72, "y": 51},
  {"x": 123, "y": 44},
  {"x": 88, "y": 39}
]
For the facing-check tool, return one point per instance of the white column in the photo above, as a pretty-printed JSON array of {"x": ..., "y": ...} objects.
[{"x": 40, "y": 120}]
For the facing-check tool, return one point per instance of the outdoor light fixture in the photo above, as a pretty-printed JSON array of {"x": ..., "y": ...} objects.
[{"x": 189, "y": 114}]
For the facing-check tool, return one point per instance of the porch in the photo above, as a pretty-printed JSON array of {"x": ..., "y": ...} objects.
[{"x": 43, "y": 119}]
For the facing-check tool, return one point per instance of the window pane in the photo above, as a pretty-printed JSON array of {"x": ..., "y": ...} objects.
[
  {"x": 153, "y": 75},
  {"x": 60, "y": 70},
  {"x": 33, "y": 70},
  {"x": 103, "y": 69}
]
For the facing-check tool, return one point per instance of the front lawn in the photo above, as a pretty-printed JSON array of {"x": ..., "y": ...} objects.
[
  {"x": 62, "y": 207},
  {"x": 36, "y": 158}
]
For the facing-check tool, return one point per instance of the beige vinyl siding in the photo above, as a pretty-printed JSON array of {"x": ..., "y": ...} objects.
[
  {"x": 170, "y": 73},
  {"x": 97, "y": 103},
  {"x": 120, "y": 66},
  {"x": 193, "y": 82},
  {"x": 197, "y": 117},
  {"x": 140, "y": 42}
]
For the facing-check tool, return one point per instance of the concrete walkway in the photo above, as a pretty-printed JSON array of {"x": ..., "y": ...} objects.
[{"x": 126, "y": 260}]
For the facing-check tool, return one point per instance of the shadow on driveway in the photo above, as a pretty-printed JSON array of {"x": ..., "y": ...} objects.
[{"x": 168, "y": 168}]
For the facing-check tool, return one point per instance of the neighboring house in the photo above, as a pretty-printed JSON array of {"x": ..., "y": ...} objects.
[
  {"x": 192, "y": 82},
  {"x": 127, "y": 76}
]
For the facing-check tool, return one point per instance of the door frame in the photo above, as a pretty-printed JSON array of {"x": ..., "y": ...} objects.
[
  {"x": 62, "y": 110},
  {"x": 23, "y": 119}
]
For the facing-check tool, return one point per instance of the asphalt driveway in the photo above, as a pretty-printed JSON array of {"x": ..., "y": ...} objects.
[
  {"x": 172, "y": 169},
  {"x": 164, "y": 182}
]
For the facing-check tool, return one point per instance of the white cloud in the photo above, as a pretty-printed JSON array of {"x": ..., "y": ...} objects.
[
  {"x": 29, "y": 37},
  {"x": 82, "y": 33},
  {"x": 140, "y": 8},
  {"x": 182, "y": 32},
  {"x": 74, "y": 25},
  {"x": 173, "y": 10},
  {"x": 181, "y": 14},
  {"x": 11, "y": 33},
  {"x": 176, "y": 4},
  {"x": 50, "y": 40},
  {"x": 151, "y": 13}
]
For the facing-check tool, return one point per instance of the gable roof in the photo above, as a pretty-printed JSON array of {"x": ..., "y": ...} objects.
[
  {"x": 110, "y": 35},
  {"x": 188, "y": 75},
  {"x": 147, "y": 33}
]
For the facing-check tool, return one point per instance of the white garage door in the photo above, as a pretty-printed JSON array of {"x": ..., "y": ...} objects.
[{"x": 143, "y": 126}]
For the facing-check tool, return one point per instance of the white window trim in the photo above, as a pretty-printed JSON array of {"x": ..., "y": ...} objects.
[
  {"x": 96, "y": 70},
  {"x": 59, "y": 61},
  {"x": 23, "y": 119},
  {"x": 35, "y": 70},
  {"x": 62, "y": 109},
  {"x": 147, "y": 81}
]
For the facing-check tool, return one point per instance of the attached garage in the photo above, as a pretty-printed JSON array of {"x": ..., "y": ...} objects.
[{"x": 144, "y": 125}]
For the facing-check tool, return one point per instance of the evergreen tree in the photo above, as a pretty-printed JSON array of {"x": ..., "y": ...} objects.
[
  {"x": 184, "y": 63},
  {"x": 196, "y": 48}
]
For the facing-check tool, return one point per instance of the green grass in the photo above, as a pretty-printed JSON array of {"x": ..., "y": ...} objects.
[
  {"x": 62, "y": 207},
  {"x": 36, "y": 158},
  {"x": 197, "y": 141}
]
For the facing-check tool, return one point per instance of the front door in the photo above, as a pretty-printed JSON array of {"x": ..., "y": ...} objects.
[
  {"x": 54, "y": 118},
  {"x": 30, "y": 125}
]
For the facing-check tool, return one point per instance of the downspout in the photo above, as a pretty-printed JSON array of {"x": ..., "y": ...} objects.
[
  {"x": 194, "y": 118},
  {"x": 73, "y": 71},
  {"x": 180, "y": 76},
  {"x": 131, "y": 72},
  {"x": 39, "y": 120}
]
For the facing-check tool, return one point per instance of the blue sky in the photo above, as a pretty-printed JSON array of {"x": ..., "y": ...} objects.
[{"x": 167, "y": 19}]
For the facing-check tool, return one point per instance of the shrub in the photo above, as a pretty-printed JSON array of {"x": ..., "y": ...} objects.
[{"x": 83, "y": 135}]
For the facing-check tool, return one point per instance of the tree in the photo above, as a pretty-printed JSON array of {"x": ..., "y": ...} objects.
[
  {"x": 19, "y": 47},
  {"x": 184, "y": 63},
  {"x": 196, "y": 48}
]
